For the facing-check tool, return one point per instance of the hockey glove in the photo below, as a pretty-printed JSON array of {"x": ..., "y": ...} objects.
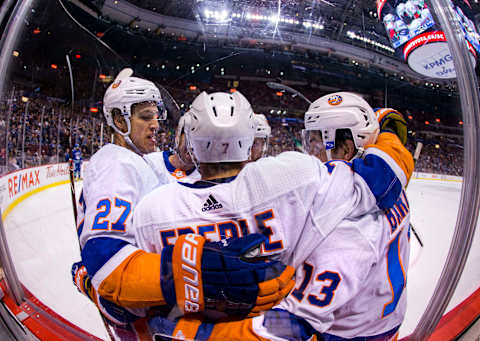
[
  {"x": 392, "y": 121},
  {"x": 113, "y": 313},
  {"x": 226, "y": 276}
]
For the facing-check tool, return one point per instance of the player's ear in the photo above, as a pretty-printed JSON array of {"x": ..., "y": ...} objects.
[
  {"x": 349, "y": 148},
  {"x": 118, "y": 120}
]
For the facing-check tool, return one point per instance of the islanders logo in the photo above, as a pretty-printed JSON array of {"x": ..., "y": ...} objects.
[
  {"x": 116, "y": 85},
  {"x": 335, "y": 100}
]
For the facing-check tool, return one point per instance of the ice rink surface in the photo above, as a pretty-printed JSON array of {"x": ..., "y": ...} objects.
[{"x": 42, "y": 239}]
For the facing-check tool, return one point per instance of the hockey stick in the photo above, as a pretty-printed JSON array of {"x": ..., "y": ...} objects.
[
  {"x": 416, "y": 155},
  {"x": 279, "y": 86},
  {"x": 70, "y": 161},
  {"x": 72, "y": 190},
  {"x": 170, "y": 103},
  {"x": 74, "y": 198}
]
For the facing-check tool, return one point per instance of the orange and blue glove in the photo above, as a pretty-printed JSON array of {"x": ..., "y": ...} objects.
[{"x": 225, "y": 276}]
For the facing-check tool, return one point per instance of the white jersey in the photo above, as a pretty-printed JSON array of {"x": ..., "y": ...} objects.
[
  {"x": 354, "y": 284},
  {"x": 162, "y": 165},
  {"x": 291, "y": 198},
  {"x": 115, "y": 180}
]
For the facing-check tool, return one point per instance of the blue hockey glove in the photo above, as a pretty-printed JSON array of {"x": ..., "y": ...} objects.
[{"x": 226, "y": 276}]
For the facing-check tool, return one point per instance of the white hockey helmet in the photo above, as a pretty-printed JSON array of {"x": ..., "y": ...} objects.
[
  {"x": 220, "y": 127},
  {"x": 262, "y": 129},
  {"x": 340, "y": 110},
  {"x": 126, "y": 91}
]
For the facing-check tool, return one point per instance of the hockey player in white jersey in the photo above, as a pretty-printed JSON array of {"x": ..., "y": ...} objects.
[
  {"x": 262, "y": 136},
  {"x": 354, "y": 284},
  {"x": 293, "y": 199},
  {"x": 178, "y": 165},
  {"x": 113, "y": 269}
]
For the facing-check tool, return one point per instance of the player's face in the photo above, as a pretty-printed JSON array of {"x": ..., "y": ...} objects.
[
  {"x": 315, "y": 146},
  {"x": 257, "y": 148},
  {"x": 144, "y": 126}
]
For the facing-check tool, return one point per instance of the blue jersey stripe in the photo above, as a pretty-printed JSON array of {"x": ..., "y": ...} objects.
[
  {"x": 80, "y": 229},
  {"x": 161, "y": 326},
  {"x": 286, "y": 325},
  {"x": 395, "y": 274},
  {"x": 380, "y": 178},
  {"x": 204, "y": 331},
  {"x": 98, "y": 251}
]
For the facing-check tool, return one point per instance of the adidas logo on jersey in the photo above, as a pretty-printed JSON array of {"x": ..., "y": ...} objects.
[{"x": 211, "y": 204}]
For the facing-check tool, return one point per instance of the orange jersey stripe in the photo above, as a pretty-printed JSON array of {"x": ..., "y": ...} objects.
[
  {"x": 235, "y": 331},
  {"x": 135, "y": 283},
  {"x": 390, "y": 144},
  {"x": 186, "y": 329}
]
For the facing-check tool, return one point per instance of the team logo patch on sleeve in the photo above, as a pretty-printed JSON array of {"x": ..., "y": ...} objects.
[{"x": 211, "y": 204}]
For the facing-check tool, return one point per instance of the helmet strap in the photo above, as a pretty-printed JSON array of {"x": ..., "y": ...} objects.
[
  {"x": 329, "y": 154},
  {"x": 132, "y": 145},
  {"x": 126, "y": 135}
]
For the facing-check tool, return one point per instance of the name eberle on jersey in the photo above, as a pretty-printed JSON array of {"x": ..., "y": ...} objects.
[{"x": 211, "y": 204}]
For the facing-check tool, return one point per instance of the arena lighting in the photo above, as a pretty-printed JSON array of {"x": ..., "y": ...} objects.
[
  {"x": 25, "y": 99},
  {"x": 94, "y": 110},
  {"x": 15, "y": 53},
  {"x": 219, "y": 16},
  {"x": 272, "y": 18},
  {"x": 353, "y": 35},
  {"x": 310, "y": 24},
  {"x": 54, "y": 66}
]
